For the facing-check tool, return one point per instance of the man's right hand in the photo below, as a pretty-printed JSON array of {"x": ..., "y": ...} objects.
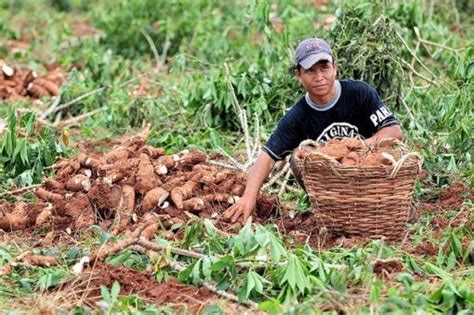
[
  {"x": 241, "y": 210},
  {"x": 244, "y": 208}
]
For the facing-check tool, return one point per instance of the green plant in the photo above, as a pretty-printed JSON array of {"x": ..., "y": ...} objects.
[{"x": 25, "y": 150}]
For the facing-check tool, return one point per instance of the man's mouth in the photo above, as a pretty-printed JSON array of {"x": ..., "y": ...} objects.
[{"x": 319, "y": 86}]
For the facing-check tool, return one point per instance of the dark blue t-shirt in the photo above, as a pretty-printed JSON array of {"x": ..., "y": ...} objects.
[{"x": 358, "y": 111}]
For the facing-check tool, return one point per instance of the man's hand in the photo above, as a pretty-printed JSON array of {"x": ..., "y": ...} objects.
[
  {"x": 242, "y": 210},
  {"x": 388, "y": 132}
]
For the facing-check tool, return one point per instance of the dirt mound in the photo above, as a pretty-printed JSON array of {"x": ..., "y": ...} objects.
[
  {"x": 142, "y": 284},
  {"x": 304, "y": 228},
  {"x": 18, "y": 83},
  {"x": 130, "y": 184},
  {"x": 352, "y": 152},
  {"x": 384, "y": 268},
  {"x": 451, "y": 198}
]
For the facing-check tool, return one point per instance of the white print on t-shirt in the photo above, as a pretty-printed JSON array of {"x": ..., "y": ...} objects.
[
  {"x": 338, "y": 130},
  {"x": 380, "y": 115}
]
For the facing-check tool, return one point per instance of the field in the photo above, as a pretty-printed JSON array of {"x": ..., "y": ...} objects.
[{"x": 126, "y": 128}]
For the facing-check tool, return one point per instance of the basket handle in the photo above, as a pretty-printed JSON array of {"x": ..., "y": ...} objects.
[
  {"x": 402, "y": 160},
  {"x": 390, "y": 140},
  {"x": 332, "y": 162},
  {"x": 309, "y": 142}
]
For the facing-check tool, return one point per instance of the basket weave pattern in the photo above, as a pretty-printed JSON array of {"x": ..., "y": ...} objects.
[{"x": 365, "y": 201}]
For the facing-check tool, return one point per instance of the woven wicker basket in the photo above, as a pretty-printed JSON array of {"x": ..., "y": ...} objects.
[{"x": 364, "y": 201}]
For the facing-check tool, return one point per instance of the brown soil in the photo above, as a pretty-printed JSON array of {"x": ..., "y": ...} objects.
[
  {"x": 425, "y": 249},
  {"x": 384, "y": 268},
  {"x": 451, "y": 198},
  {"x": 304, "y": 228},
  {"x": 171, "y": 293}
]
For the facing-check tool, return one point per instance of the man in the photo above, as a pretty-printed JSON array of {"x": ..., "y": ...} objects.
[{"x": 330, "y": 109}]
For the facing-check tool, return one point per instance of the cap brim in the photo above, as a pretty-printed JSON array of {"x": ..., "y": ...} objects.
[{"x": 309, "y": 61}]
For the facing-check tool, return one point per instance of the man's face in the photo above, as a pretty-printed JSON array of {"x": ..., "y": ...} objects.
[{"x": 318, "y": 80}]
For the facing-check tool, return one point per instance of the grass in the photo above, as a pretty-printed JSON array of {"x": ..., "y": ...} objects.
[{"x": 189, "y": 103}]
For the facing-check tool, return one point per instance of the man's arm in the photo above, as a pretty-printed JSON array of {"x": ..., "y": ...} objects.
[
  {"x": 257, "y": 174},
  {"x": 393, "y": 131}
]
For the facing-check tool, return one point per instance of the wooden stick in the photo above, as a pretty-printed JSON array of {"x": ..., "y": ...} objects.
[
  {"x": 427, "y": 42},
  {"x": 153, "y": 48},
  {"x": 221, "y": 164},
  {"x": 154, "y": 246},
  {"x": 277, "y": 175},
  {"x": 285, "y": 182},
  {"x": 81, "y": 97},
  {"x": 241, "y": 113},
  {"x": 20, "y": 190},
  {"x": 105, "y": 251},
  {"x": 50, "y": 109},
  {"x": 290, "y": 188},
  {"x": 74, "y": 120},
  {"x": 418, "y": 74},
  {"x": 415, "y": 56},
  {"x": 232, "y": 160}
]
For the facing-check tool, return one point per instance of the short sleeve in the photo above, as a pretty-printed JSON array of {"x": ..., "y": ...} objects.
[
  {"x": 284, "y": 139},
  {"x": 376, "y": 114}
]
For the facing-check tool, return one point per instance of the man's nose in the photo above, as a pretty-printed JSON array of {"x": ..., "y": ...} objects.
[{"x": 317, "y": 76}]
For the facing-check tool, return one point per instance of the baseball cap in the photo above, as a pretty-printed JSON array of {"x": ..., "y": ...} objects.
[{"x": 312, "y": 50}]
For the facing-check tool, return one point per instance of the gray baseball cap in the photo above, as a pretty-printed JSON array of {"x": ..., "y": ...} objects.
[{"x": 312, "y": 50}]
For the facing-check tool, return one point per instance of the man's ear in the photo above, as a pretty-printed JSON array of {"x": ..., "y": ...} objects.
[{"x": 335, "y": 69}]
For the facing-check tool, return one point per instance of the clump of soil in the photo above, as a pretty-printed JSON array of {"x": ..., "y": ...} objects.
[
  {"x": 351, "y": 152},
  {"x": 131, "y": 184},
  {"x": 452, "y": 197},
  {"x": 21, "y": 82},
  {"x": 142, "y": 284},
  {"x": 384, "y": 268},
  {"x": 304, "y": 228}
]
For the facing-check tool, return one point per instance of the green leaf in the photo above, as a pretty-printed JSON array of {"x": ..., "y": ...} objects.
[
  {"x": 295, "y": 275},
  {"x": 225, "y": 261},
  {"x": 250, "y": 284},
  {"x": 104, "y": 292},
  {"x": 276, "y": 247},
  {"x": 115, "y": 291},
  {"x": 261, "y": 235},
  {"x": 272, "y": 307},
  {"x": 206, "y": 268},
  {"x": 196, "y": 272}
]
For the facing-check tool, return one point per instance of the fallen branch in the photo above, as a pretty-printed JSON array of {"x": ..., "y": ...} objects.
[
  {"x": 416, "y": 57},
  {"x": 232, "y": 160},
  {"x": 75, "y": 120},
  {"x": 178, "y": 251},
  {"x": 105, "y": 251},
  {"x": 240, "y": 112},
  {"x": 418, "y": 74},
  {"x": 153, "y": 48},
  {"x": 285, "y": 182},
  {"x": 277, "y": 175},
  {"x": 225, "y": 165},
  {"x": 427, "y": 42},
  {"x": 20, "y": 190},
  {"x": 290, "y": 188},
  {"x": 50, "y": 109},
  {"x": 81, "y": 97}
]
